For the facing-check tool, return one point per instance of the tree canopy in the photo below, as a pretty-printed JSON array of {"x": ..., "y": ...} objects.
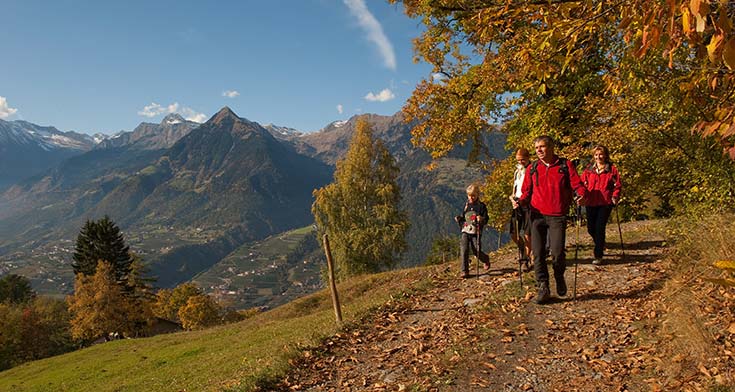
[
  {"x": 170, "y": 301},
  {"x": 359, "y": 210},
  {"x": 653, "y": 80},
  {"x": 102, "y": 240},
  {"x": 15, "y": 289},
  {"x": 529, "y": 46},
  {"x": 35, "y": 329},
  {"x": 199, "y": 312},
  {"x": 99, "y": 306}
]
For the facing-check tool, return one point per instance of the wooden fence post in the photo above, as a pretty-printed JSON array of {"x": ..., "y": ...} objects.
[{"x": 332, "y": 285}]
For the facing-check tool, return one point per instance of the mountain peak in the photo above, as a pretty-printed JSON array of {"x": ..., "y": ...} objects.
[
  {"x": 173, "y": 118},
  {"x": 225, "y": 115}
]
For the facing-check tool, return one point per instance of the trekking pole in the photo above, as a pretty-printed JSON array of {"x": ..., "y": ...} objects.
[
  {"x": 477, "y": 266},
  {"x": 578, "y": 223},
  {"x": 620, "y": 231},
  {"x": 520, "y": 249}
]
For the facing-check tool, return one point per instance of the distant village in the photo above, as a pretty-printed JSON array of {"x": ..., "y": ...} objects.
[{"x": 249, "y": 280}]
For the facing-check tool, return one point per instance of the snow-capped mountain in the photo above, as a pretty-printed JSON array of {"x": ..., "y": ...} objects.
[
  {"x": 27, "y": 149},
  {"x": 150, "y": 136},
  {"x": 282, "y": 132},
  {"x": 47, "y": 138}
]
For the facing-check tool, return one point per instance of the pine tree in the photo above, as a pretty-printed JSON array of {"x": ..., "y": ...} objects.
[
  {"x": 141, "y": 295},
  {"x": 15, "y": 289},
  {"x": 139, "y": 281},
  {"x": 359, "y": 210},
  {"x": 102, "y": 240}
]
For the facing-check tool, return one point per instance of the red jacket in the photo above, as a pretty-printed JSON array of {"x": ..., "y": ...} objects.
[
  {"x": 602, "y": 187},
  {"x": 548, "y": 190}
]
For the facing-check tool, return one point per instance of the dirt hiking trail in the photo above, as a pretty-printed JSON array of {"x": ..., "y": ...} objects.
[{"x": 486, "y": 334}]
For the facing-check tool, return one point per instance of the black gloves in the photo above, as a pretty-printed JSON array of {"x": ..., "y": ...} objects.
[{"x": 460, "y": 220}]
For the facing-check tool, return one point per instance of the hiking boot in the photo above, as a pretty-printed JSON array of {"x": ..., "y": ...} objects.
[
  {"x": 464, "y": 275},
  {"x": 561, "y": 285},
  {"x": 543, "y": 293},
  {"x": 597, "y": 261}
]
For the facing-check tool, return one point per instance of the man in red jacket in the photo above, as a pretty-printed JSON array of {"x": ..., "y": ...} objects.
[{"x": 549, "y": 186}]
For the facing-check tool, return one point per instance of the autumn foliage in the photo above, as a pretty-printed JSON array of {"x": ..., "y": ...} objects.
[
  {"x": 360, "y": 208},
  {"x": 652, "y": 80},
  {"x": 187, "y": 304},
  {"x": 35, "y": 329},
  {"x": 100, "y": 306}
]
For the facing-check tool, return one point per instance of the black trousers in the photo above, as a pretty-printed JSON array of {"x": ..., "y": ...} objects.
[
  {"x": 556, "y": 229},
  {"x": 468, "y": 243},
  {"x": 596, "y": 221}
]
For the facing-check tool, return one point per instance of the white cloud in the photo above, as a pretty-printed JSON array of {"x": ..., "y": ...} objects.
[
  {"x": 374, "y": 31},
  {"x": 5, "y": 110},
  {"x": 385, "y": 95},
  {"x": 155, "y": 109},
  {"x": 191, "y": 115},
  {"x": 340, "y": 108},
  {"x": 230, "y": 93}
]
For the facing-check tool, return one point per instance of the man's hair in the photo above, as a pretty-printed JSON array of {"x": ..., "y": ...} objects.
[
  {"x": 547, "y": 139},
  {"x": 523, "y": 152},
  {"x": 604, "y": 150},
  {"x": 473, "y": 190}
]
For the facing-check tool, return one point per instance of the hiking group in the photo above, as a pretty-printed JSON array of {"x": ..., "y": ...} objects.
[{"x": 543, "y": 192}]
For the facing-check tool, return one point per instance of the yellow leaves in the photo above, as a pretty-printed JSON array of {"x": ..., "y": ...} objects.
[
  {"x": 725, "y": 264},
  {"x": 199, "y": 312},
  {"x": 728, "y": 265},
  {"x": 728, "y": 54},
  {"x": 713, "y": 47},
  {"x": 686, "y": 22},
  {"x": 700, "y": 9}
]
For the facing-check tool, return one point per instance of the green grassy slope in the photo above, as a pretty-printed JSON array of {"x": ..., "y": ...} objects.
[{"x": 232, "y": 357}]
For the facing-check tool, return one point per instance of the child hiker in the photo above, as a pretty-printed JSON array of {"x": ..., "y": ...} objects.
[{"x": 473, "y": 219}]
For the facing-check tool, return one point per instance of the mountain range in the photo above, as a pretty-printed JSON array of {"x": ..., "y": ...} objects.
[
  {"x": 187, "y": 195},
  {"x": 27, "y": 149}
]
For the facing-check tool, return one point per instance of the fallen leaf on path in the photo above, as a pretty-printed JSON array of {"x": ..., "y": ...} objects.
[{"x": 704, "y": 370}]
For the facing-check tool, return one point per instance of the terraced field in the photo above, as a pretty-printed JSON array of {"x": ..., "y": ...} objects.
[{"x": 267, "y": 273}]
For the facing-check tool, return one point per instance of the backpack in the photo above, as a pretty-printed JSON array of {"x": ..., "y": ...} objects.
[{"x": 563, "y": 168}]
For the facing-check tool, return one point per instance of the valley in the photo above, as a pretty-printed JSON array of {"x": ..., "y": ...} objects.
[{"x": 225, "y": 204}]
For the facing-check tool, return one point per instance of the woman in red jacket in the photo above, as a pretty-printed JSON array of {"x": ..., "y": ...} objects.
[{"x": 602, "y": 180}]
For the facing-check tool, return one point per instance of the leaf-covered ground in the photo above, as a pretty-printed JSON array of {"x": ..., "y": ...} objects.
[{"x": 486, "y": 334}]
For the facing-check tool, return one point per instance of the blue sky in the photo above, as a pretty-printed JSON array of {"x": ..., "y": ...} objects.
[{"x": 104, "y": 66}]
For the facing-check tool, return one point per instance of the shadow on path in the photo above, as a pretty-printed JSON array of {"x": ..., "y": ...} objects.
[{"x": 641, "y": 292}]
